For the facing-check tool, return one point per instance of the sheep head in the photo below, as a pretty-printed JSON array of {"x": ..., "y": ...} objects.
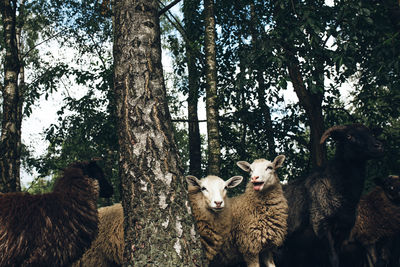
[
  {"x": 262, "y": 171},
  {"x": 92, "y": 170},
  {"x": 355, "y": 141},
  {"x": 213, "y": 189},
  {"x": 391, "y": 187}
]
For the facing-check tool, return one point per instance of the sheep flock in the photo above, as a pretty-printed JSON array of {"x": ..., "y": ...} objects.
[{"x": 320, "y": 220}]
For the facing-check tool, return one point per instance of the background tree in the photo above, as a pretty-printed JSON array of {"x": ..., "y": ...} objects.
[
  {"x": 85, "y": 127},
  {"x": 346, "y": 42},
  {"x": 214, "y": 149},
  {"x": 10, "y": 142},
  {"x": 192, "y": 44},
  {"x": 157, "y": 224}
]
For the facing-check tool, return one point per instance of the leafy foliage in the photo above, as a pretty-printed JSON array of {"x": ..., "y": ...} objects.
[{"x": 346, "y": 43}]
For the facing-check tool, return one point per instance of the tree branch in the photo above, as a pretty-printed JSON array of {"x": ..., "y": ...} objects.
[
  {"x": 184, "y": 120},
  {"x": 42, "y": 42},
  {"x": 179, "y": 27},
  {"x": 168, "y": 7}
]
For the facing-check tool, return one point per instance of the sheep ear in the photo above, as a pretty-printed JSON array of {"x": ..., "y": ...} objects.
[
  {"x": 192, "y": 180},
  {"x": 234, "y": 181},
  {"x": 335, "y": 132},
  {"x": 244, "y": 165},
  {"x": 278, "y": 161}
]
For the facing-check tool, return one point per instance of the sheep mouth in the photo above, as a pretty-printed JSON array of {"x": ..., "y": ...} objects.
[
  {"x": 258, "y": 185},
  {"x": 217, "y": 209}
]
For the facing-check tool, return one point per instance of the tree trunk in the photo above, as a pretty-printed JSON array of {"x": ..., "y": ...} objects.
[
  {"x": 242, "y": 147},
  {"x": 189, "y": 8},
  {"x": 10, "y": 142},
  {"x": 159, "y": 230},
  {"x": 312, "y": 103},
  {"x": 214, "y": 149},
  {"x": 261, "y": 90}
]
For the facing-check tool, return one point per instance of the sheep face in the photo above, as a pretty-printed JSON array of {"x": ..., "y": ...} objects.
[
  {"x": 262, "y": 172},
  {"x": 214, "y": 189},
  {"x": 356, "y": 141}
]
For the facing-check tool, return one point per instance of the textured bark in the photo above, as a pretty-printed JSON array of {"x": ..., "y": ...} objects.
[
  {"x": 158, "y": 228},
  {"x": 10, "y": 142},
  {"x": 312, "y": 103},
  {"x": 214, "y": 149},
  {"x": 189, "y": 7}
]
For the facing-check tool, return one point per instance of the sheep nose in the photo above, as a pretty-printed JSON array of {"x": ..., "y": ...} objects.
[
  {"x": 254, "y": 178},
  {"x": 218, "y": 203}
]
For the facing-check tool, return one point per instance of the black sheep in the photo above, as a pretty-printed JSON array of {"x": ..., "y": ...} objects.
[
  {"x": 52, "y": 229},
  {"x": 322, "y": 207}
]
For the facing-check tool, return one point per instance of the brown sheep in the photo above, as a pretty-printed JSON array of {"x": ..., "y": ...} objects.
[
  {"x": 52, "y": 229},
  {"x": 108, "y": 248},
  {"x": 259, "y": 221},
  {"x": 378, "y": 218}
]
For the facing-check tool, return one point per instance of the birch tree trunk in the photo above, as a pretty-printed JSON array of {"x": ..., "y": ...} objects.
[
  {"x": 10, "y": 142},
  {"x": 159, "y": 230},
  {"x": 214, "y": 149}
]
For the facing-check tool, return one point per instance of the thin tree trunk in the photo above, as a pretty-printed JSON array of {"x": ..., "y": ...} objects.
[
  {"x": 159, "y": 230},
  {"x": 189, "y": 9},
  {"x": 21, "y": 85},
  {"x": 242, "y": 146},
  {"x": 312, "y": 103},
  {"x": 11, "y": 125},
  {"x": 214, "y": 149}
]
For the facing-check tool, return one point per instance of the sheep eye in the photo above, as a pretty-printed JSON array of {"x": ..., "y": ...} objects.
[
  {"x": 392, "y": 188},
  {"x": 269, "y": 168},
  {"x": 349, "y": 137},
  {"x": 203, "y": 189}
]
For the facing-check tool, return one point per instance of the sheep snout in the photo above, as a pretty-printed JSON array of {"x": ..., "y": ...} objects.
[
  {"x": 218, "y": 204},
  {"x": 254, "y": 178}
]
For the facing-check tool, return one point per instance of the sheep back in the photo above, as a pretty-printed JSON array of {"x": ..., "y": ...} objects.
[
  {"x": 259, "y": 219},
  {"x": 212, "y": 227},
  {"x": 378, "y": 217},
  {"x": 108, "y": 248},
  {"x": 53, "y": 228}
]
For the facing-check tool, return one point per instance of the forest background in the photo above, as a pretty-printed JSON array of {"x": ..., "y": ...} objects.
[{"x": 265, "y": 51}]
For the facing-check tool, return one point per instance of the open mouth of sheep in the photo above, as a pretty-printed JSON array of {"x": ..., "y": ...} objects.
[{"x": 258, "y": 185}]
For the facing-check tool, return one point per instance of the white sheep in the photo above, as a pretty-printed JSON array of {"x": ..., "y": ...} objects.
[
  {"x": 210, "y": 207},
  {"x": 259, "y": 217}
]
